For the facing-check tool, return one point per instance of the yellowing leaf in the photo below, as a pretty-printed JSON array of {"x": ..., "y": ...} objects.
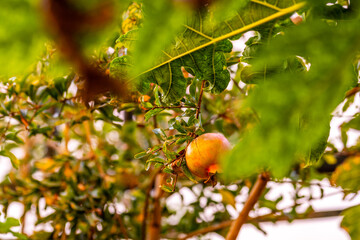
[
  {"x": 68, "y": 172},
  {"x": 45, "y": 164},
  {"x": 227, "y": 197},
  {"x": 347, "y": 175}
]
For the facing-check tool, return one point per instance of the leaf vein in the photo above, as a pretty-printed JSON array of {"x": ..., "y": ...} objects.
[
  {"x": 265, "y": 4},
  {"x": 199, "y": 33},
  {"x": 250, "y": 26}
]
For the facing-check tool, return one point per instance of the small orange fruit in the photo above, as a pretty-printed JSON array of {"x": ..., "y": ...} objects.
[
  {"x": 144, "y": 98},
  {"x": 204, "y": 152}
]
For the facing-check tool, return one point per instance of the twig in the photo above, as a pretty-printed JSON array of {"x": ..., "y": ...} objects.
[
  {"x": 66, "y": 138},
  {"x": 212, "y": 228},
  {"x": 92, "y": 152},
  {"x": 2, "y": 137},
  {"x": 88, "y": 135},
  {"x": 301, "y": 183},
  {"x": 121, "y": 224},
  {"x": 283, "y": 217},
  {"x": 249, "y": 205},
  {"x": 22, "y": 219},
  {"x": 238, "y": 87},
  {"x": 265, "y": 218},
  {"x": 200, "y": 99},
  {"x": 175, "y": 181},
  {"x": 170, "y": 107},
  {"x": 155, "y": 224},
  {"x": 352, "y": 92}
]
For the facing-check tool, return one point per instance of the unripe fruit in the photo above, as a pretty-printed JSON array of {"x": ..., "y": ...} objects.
[{"x": 204, "y": 152}]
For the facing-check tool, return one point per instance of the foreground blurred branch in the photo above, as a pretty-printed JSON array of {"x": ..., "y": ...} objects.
[
  {"x": 67, "y": 24},
  {"x": 254, "y": 196}
]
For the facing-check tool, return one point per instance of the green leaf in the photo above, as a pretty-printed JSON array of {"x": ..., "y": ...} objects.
[
  {"x": 14, "y": 137},
  {"x": 8, "y": 224},
  {"x": 163, "y": 19},
  {"x": 170, "y": 79},
  {"x": 13, "y": 159},
  {"x": 108, "y": 114},
  {"x": 153, "y": 112},
  {"x": 147, "y": 166},
  {"x": 20, "y": 236},
  {"x": 187, "y": 172},
  {"x": 201, "y": 44},
  {"x": 351, "y": 222},
  {"x": 140, "y": 155},
  {"x": 157, "y": 161},
  {"x": 182, "y": 140},
  {"x": 61, "y": 85},
  {"x": 147, "y": 105},
  {"x": 318, "y": 149},
  {"x": 46, "y": 131},
  {"x": 176, "y": 123},
  {"x": 153, "y": 149},
  {"x": 168, "y": 170},
  {"x": 118, "y": 67},
  {"x": 128, "y": 39},
  {"x": 167, "y": 188},
  {"x": 159, "y": 133},
  {"x": 353, "y": 123}
]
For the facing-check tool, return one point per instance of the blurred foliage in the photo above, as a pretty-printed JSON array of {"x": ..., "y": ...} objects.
[
  {"x": 350, "y": 222},
  {"x": 295, "y": 125},
  {"x": 5, "y": 227},
  {"x": 21, "y": 36},
  {"x": 89, "y": 170}
]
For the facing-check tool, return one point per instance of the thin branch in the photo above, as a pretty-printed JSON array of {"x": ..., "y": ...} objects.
[
  {"x": 2, "y": 137},
  {"x": 88, "y": 135},
  {"x": 170, "y": 107},
  {"x": 122, "y": 226},
  {"x": 352, "y": 92},
  {"x": 283, "y": 217},
  {"x": 212, "y": 228},
  {"x": 155, "y": 224},
  {"x": 238, "y": 87},
  {"x": 302, "y": 183},
  {"x": 249, "y": 205},
  {"x": 66, "y": 138},
  {"x": 265, "y": 218},
  {"x": 92, "y": 156},
  {"x": 200, "y": 99}
]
